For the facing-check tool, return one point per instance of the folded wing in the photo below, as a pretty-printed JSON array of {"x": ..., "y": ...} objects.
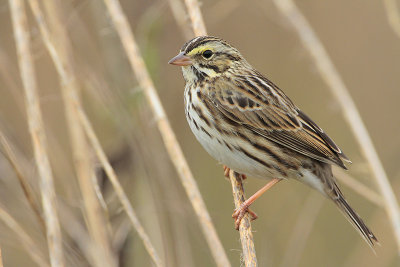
[{"x": 264, "y": 109}]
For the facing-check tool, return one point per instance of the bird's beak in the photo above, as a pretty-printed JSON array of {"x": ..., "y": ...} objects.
[{"x": 180, "y": 60}]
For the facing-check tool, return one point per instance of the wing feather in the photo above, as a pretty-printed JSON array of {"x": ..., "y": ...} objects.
[{"x": 276, "y": 119}]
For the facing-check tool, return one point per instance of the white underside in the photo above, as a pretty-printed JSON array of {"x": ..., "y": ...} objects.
[
  {"x": 235, "y": 160},
  {"x": 311, "y": 180}
]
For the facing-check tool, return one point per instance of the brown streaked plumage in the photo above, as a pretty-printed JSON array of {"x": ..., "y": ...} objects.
[{"x": 247, "y": 123}]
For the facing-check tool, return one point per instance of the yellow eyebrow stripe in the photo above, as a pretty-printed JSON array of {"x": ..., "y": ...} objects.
[{"x": 199, "y": 49}]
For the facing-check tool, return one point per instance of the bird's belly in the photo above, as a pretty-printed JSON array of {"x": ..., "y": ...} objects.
[
  {"x": 227, "y": 145},
  {"x": 226, "y": 150}
]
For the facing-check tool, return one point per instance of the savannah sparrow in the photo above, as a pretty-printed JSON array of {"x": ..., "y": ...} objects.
[{"x": 248, "y": 124}]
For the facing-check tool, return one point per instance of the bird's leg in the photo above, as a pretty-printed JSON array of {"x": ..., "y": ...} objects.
[
  {"x": 226, "y": 173},
  {"x": 241, "y": 211}
]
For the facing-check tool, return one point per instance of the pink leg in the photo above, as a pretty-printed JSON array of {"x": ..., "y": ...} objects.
[{"x": 241, "y": 211}]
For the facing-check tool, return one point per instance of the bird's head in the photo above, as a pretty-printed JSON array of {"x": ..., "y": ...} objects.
[{"x": 207, "y": 57}]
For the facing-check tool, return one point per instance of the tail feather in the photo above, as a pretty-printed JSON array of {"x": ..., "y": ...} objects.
[
  {"x": 321, "y": 178},
  {"x": 356, "y": 221}
]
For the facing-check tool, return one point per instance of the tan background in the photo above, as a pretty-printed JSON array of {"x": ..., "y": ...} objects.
[{"x": 362, "y": 46}]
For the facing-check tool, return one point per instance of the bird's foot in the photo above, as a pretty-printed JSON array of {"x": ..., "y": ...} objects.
[{"x": 239, "y": 213}]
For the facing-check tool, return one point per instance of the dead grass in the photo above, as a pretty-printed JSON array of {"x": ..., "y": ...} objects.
[{"x": 82, "y": 128}]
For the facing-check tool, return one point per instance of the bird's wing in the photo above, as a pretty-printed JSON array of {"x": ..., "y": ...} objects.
[{"x": 263, "y": 108}]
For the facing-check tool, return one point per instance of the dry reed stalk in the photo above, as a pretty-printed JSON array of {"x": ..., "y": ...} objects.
[
  {"x": 1, "y": 258},
  {"x": 179, "y": 12},
  {"x": 128, "y": 41},
  {"x": 58, "y": 45},
  {"x": 246, "y": 236},
  {"x": 392, "y": 12},
  {"x": 196, "y": 17},
  {"x": 332, "y": 78},
  {"x": 26, "y": 188},
  {"x": 25, "y": 239},
  {"x": 74, "y": 100},
  {"x": 77, "y": 232},
  {"x": 37, "y": 132},
  {"x": 117, "y": 186}
]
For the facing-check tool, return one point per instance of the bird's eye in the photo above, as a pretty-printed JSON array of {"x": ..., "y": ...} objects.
[{"x": 207, "y": 54}]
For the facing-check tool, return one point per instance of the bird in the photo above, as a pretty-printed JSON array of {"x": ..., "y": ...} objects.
[{"x": 247, "y": 123}]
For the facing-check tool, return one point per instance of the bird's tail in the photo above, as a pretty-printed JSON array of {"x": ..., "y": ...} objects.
[{"x": 356, "y": 221}]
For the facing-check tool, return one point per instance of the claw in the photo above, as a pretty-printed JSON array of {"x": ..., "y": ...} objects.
[
  {"x": 239, "y": 213},
  {"x": 253, "y": 215},
  {"x": 226, "y": 173}
]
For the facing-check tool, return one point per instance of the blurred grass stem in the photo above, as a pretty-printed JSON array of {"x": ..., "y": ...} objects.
[
  {"x": 122, "y": 27},
  {"x": 117, "y": 186},
  {"x": 393, "y": 15},
  {"x": 359, "y": 187},
  {"x": 57, "y": 43},
  {"x": 179, "y": 13},
  {"x": 332, "y": 78},
  {"x": 196, "y": 17},
  {"x": 37, "y": 132}
]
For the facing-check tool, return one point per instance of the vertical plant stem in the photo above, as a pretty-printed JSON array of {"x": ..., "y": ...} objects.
[
  {"x": 117, "y": 186},
  {"x": 179, "y": 12},
  {"x": 37, "y": 132},
  {"x": 59, "y": 47},
  {"x": 246, "y": 236},
  {"x": 73, "y": 102},
  {"x": 351, "y": 114},
  {"x": 196, "y": 17},
  {"x": 122, "y": 27}
]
